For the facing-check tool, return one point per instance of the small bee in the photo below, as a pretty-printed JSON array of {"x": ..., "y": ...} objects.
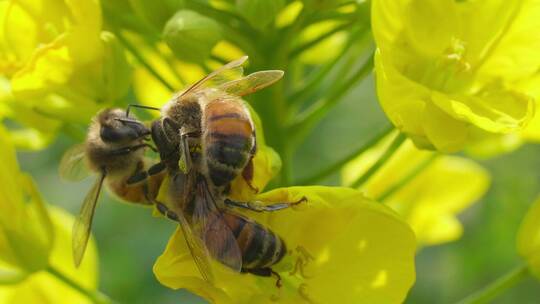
[
  {"x": 114, "y": 149},
  {"x": 206, "y": 138}
]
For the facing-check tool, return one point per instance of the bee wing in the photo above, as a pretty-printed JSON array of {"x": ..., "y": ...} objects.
[
  {"x": 209, "y": 224},
  {"x": 83, "y": 222},
  {"x": 252, "y": 82},
  {"x": 231, "y": 70},
  {"x": 198, "y": 251},
  {"x": 72, "y": 165}
]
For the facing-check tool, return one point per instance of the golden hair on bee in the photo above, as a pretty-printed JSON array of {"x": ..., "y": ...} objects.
[{"x": 114, "y": 149}]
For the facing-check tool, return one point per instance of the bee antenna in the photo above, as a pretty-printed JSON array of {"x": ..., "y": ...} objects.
[
  {"x": 127, "y": 120},
  {"x": 140, "y": 106}
]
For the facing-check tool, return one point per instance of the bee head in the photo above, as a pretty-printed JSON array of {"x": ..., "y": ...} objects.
[{"x": 116, "y": 127}]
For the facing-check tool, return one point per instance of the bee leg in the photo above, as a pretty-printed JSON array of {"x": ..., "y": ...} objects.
[
  {"x": 184, "y": 149},
  {"x": 127, "y": 150},
  {"x": 156, "y": 169},
  {"x": 166, "y": 211},
  {"x": 265, "y": 272},
  {"x": 137, "y": 178},
  {"x": 258, "y": 206}
]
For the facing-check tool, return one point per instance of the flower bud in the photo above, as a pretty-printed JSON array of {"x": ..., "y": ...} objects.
[
  {"x": 191, "y": 36},
  {"x": 259, "y": 13},
  {"x": 156, "y": 13}
]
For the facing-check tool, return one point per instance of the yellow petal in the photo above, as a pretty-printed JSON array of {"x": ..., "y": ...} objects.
[
  {"x": 494, "y": 109},
  {"x": 402, "y": 100},
  {"x": 431, "y": 190},
  {"x": 532, "y": 131},
  {"x": 64, "y": 36},
  {"x": 352, "y": 248},
  {"x": 25, "y": 227},
  {"x": 490, "y": 145},
  {"x": 512, "y": 55},
  {"x": 477, "y": 69},
  {"x": 44, "y": 288},
  {"x": 11, "y": 199},
  {"x": 49, "y": 67},
  {"x": 528, "y": 238},
  {"x": 419, "y": 17}
]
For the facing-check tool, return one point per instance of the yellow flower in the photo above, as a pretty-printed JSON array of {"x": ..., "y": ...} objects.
[
  {"x": 34, "y": 238},
  {"x": 42, "y": 287},
  {"x": 26, "y": 234},
  {"x": 345, "y": 247},
  {"x": 60, "y": 68},
  {"x": 448, "y": 72},
  {"x": 60, "y": 36},
  {"x": 528, "y": 239},
  {"x": 430, "y": 190}
]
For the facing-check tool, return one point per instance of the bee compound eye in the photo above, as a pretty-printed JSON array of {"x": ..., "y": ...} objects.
[{"x": 115, "y": 135}]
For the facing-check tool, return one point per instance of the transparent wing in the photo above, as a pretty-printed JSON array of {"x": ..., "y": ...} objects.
[
  {"x": 252, "y": 82},
  {"x": 195, "y": 245},
  {"x": 208, "y": 223},
  {"x": 83, "y": 222},
  {"x": 72, "y": 165},
  {"x": 226, "y": 73}
]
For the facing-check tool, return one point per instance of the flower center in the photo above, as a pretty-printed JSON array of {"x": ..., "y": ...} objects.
[{"x": 449, "y": 73}]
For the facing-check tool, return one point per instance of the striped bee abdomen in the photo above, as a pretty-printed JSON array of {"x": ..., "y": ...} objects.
[
  {"x": 228, "y": 139},
  {"x": 260, "y": 246}
]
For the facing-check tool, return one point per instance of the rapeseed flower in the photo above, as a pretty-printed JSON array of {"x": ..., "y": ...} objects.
[
  {"x": 26, "y": 233},
  {"x": 61, "y": 68},
  {"x": 341, "y": 247},
  {"x": 426, "y": 189},
  {"x": 448, "y": 76},
  {"x": 35, "y": 238},
  {"x": 44, "y": 288}
]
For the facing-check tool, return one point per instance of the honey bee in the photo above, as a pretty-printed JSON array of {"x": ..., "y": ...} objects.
[
  {"x": 209, "y": 126},
  {"x": 206, "y": 138},
  {"x": 114, "y": 149}
]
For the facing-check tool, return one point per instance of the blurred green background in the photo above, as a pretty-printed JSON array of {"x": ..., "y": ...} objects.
[{"x": 129, "y": 239}]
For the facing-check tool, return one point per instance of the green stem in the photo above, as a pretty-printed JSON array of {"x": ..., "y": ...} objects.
[
  {"x": 308, "y": 44},
  {"x": 301, "y": 95},
  {"x": 394, "y": 146},
  {"x": 404, "y": 181},
  {"x": 94, "y": 296},
  {"x": 337, "y": 165},
  {"x": 313, "y": 114},
  {"x": 490, "y": 292},
  {"x": 143, "y": 61}
]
